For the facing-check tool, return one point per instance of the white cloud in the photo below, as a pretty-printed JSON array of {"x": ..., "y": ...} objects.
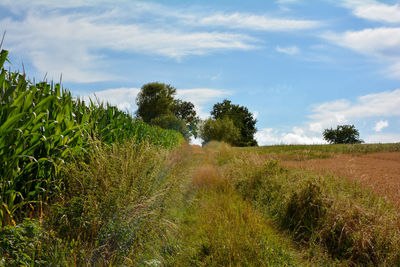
[
  {"x": 269, "y": 136},
  {"x": 380, "y": 43},
  {"x": 287, "y": 1},
  {"x": 329, "y": 114},
  {"x": 201, "y": 96},
  {"x": 255, "y": 114},
  {"x": 255, "y": 22},
  {"x": 373, "y": 10},
  {"x": 125, "y": 98},
  {"x": 383, "y": 138},
  {"x": 380, "y": 125},
  {"x": 74, "y": 44},
  {"x": 289, "y": 50},
  {"x": 301, "y": 139}
]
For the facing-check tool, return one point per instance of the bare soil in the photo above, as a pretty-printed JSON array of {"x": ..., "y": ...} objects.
[{"x": 378, "y": 171}]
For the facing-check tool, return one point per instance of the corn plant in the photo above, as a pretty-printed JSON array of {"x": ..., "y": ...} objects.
[{"x": 41, "y": 125}]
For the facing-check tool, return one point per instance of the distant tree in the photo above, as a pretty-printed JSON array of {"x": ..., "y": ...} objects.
[
  {"x": 170, "y": 121},
  {"x": 241, "y": 118},
  {"x": 184, "y": 110},
  {"x": 154, "y": 100},
  {"x": 343, "y": 134},
  {"x": 219, "y": 130},
  {"x": 157, "y": 105}
]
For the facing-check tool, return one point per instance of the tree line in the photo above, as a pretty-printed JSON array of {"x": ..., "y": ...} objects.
[
  {"x": 158, "y": 105},
  {"x": 230, "y": 123}
]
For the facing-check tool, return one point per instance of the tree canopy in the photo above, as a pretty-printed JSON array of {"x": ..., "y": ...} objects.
[
  {"x": 219, "y": 130},
  {"x": 155, "y": 99},
  {"x": 343, "y": 134},
  {"x": 157, "y": 105},
  {"x": 242, "y": 119}
]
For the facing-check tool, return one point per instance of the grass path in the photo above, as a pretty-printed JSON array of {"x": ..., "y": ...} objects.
[{"x": 212, "y": 225}]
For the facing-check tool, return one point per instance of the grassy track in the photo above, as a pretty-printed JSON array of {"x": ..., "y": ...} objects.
[{"x": 216, "y": 206}]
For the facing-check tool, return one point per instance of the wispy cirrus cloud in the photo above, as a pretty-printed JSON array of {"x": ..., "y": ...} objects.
[
  {"x": 289, "y": 50},
  {"x": 76, "y": 37},
  {"x": 72, "y": 47},
  {"x": 374, "y": 10},
  {"x": 58, "y": 40},
  {"x": 379, "y": 43},
  {"x": 255, "y": 22}
]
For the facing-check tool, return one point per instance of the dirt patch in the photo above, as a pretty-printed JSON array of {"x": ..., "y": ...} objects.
[{"x": 378, "y": 171}]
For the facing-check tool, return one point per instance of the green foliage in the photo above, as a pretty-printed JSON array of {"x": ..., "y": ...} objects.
[
  {"x": 343, "y": 134},
  {"x": 220, "y": 130},
  {"x": 42, "y": 126},
  {"x": 113, "y": 202},
  {"x": 242, "y": 119},
  {"x": 27, "y": 244},
  {"x": 173, "y": 123},
  {"x": 157, "y": 105},
  {"x": 154, "y": 100},
  {"x": 185, "y": 111}
]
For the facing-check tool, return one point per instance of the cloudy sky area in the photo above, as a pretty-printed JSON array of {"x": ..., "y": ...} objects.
[{"x": 300, "y": 66}]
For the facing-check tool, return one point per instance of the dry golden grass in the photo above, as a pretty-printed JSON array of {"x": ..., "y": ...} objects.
[{"x": 208, "y": 176}]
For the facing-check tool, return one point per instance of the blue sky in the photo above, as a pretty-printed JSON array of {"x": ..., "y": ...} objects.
[{"x": 300, "y": 66}]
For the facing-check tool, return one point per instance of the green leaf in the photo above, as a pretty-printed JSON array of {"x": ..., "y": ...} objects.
[
  {"x": 7, "y": 126},
  {"x": 3, "y": 57}
]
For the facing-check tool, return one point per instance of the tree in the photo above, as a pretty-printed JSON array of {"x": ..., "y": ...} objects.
[
  {"x": 343, "y": 134},
  {"x": 184, "y": 110},
  {"x": 219, "y": 130},
  {"x": 157, "y": 105},
  {"x": 241, "y": 118},
  {"x": 154, "y": 100},
  {"x": 170, "y": 121}
]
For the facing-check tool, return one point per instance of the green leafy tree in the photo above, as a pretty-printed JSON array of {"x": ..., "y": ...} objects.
[
  {"x": 170, "y": 121},
  {"x": 219, "y": 130},
  {"x": 185, "y": 111},
  {"x": 241, "y": 118},
  {"x": 154, "y": 100},
  {"x": 343, "y": 134},
  {"x": 157, "y": 105}
]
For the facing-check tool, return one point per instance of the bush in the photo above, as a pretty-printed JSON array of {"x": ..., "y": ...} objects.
[
  {"x": 27, "y": 244},
  {"x": 171, "y": 122},
  {"x": 219, "y": 130}
]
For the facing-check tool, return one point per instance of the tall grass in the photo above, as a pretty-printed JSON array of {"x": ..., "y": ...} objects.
[
  {"x": 352, "y": 224},
  {"x": 42, "y": 126}
]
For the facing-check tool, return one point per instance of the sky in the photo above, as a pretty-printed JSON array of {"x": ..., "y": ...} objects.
[{"x": 299, "y": 66}]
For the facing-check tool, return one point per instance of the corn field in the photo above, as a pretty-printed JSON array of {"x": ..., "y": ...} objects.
[{"x": 41, "y": 126}]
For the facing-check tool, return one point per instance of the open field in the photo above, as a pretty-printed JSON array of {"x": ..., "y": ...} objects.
[
  {"x": 378, "y": 171},
  {"x": 304, "y": 152}
]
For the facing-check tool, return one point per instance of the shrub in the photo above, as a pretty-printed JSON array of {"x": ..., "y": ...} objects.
[
  {"x": 28, "y": 244},
  {"x": 219, "y": 130}
]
